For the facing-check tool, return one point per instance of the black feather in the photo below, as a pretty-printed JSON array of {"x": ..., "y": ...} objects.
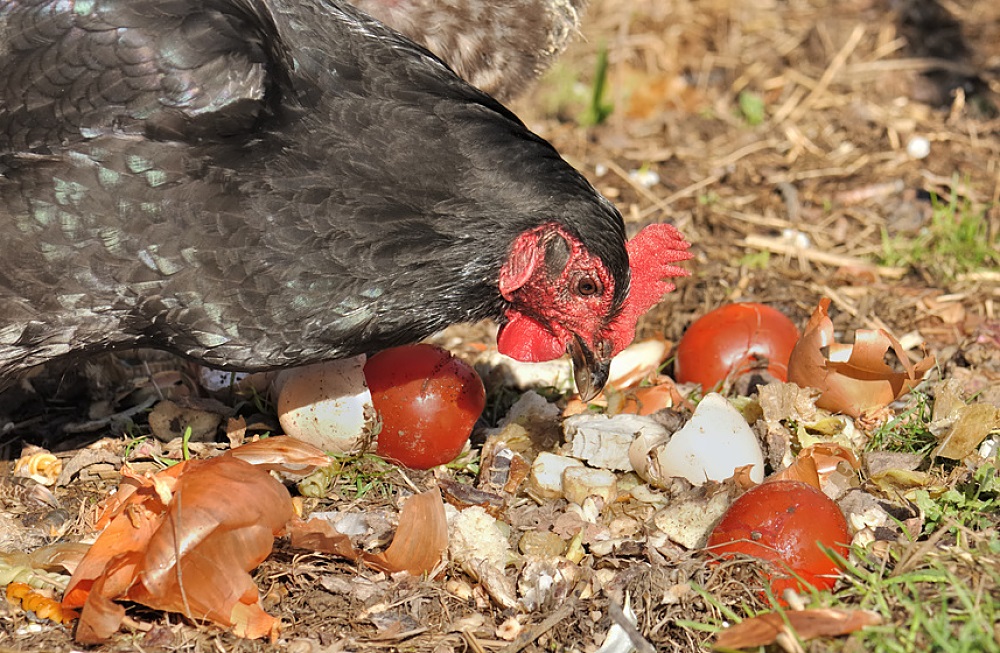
[{"x": 255, "y": 184}]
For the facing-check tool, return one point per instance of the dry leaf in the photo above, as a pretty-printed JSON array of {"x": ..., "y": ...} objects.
[
  {"x": 974, "y": 423},
  {"x": 236, "y": 430},
  {"x": 169, "y": 420},
  {"x": 807, "y": 624},
  {"x": 463, "y": 495},
  {"x": 855, "y": 379}
]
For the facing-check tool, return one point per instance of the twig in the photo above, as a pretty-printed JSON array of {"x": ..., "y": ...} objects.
[
  {"x": 95, "y": 424},
  {"x": 831, "y": 71},
  {"x": 779, "y": 246},
  {"x": 473, "y": 642},
  {"x": 918, "y": 550},
  {"x": 873, "y": 322},
  {"x": 639, "y": 188},
  {"x": 550, "y": 622},
  {"x": 398, "y": 637},
  {"x": 744, "y": 152}
]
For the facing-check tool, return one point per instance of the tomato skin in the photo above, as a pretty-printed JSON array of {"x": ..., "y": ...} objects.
[
  {"x": 783, "y": 522},
  {"x": 428, "y": 401},
  {"x": 727, "y": 341}
]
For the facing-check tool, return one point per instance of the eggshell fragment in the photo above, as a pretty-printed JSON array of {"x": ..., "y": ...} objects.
[
  {"x": 689, "y": 518},
  {"x": 219, "y": 382},
  {"x": 327, "y": 405},
  {"x": 545, "y": 480},
  {"x": 499, "y": 370},
  {"x": 637, "y": 362},
  {"x": 710, "y": 447},
  {"x": 581, "y": 482},
  {"x": 604, "y": 441}
]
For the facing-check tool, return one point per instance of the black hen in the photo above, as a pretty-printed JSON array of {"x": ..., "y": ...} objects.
[{"x": 256, "y": 184}]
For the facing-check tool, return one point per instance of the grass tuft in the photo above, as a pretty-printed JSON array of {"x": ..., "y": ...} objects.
[{"x": 957, "y": 241}]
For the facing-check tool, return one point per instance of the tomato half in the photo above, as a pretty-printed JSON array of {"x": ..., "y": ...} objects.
[
  {"x": 785, "y": 522},
  {"x": 733, "y": 340},
  {"x": 428, "y": 401}
]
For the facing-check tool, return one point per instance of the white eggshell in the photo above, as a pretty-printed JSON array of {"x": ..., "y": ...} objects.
[
  {"x": 579, "y": 482},
  {"x": 637, "y": 361},
  {"x": 215, "y": 380},
  {"x": 604, "y": 440},
  {"x": 545, "y": 479},
  {"x": 714, "y": 442},
  {"x": 327, "y": 405},
  {"x": 918, "y": 147}
]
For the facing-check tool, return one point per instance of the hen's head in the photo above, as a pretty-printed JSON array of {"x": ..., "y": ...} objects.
[{"x": 564, "y": 297}]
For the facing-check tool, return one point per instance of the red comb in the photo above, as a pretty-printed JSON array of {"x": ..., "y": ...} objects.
[{"x": 651, "y": 256}]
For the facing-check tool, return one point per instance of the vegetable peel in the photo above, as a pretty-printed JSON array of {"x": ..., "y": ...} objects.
[
  {"x": 184, "y": 540},
  {"x": 853, "y": 379}
]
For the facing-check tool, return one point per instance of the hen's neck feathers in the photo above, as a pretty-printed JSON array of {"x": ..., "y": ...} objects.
[{"x": 458, "y": 176}]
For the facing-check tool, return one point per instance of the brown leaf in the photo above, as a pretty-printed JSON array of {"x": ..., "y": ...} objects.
[
  {"x": 463, "y": 495},
  {"x": 855, "y": 379},
  {"x": 807, "y": 624},
  {"x": 236, "y": 430},
  {"x": 169, "y": 420},
  {"x": 60, "y": 556}
]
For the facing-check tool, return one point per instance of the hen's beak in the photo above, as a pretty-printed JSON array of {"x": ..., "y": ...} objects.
[{"x": 589, "y": 371}]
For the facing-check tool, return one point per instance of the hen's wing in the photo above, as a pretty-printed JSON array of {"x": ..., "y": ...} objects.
[
  {"x": 252, "y": 183},
  {"x": 75, "y": 70}
]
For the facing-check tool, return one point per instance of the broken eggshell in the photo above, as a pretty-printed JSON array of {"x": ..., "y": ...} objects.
[
  {"x": 854, "y": 379},
  {"x": 580, "y": 482},
  {"x": 604, "y": 440},
  {"x": 327, "y": 405},
  {"x": 219, "y": 382},
  {"x": 714, "y": 443},
  {"x": 637, "y": 362},
  {"x": 546, "y": 478}
]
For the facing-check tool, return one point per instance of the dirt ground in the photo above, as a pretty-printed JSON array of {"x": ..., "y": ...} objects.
[{"x": 783, "y": 138}]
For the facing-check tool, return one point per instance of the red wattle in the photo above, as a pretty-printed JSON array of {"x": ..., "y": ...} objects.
[{"x": 525, "y": 339}]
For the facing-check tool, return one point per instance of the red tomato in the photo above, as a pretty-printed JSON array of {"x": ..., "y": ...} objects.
[
  {"x": 729, "y": 340},
  {"x": 784, "y": 522},
  {"x": 428, "y": 401}
]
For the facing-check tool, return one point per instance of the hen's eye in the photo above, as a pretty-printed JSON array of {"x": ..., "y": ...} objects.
[{"x": 587, "y": 286}]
